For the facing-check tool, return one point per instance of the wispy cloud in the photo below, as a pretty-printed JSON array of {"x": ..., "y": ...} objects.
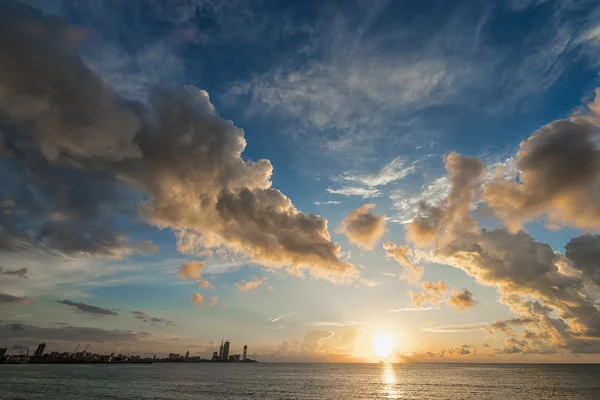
[
  {"x": 327, "y": 202},
  {"x": 88, "y": 309},
  {"x": 413, "y": 309},
  {"x": 365, "y": 193},
  {"x": 394, "y": 171},
  {"x": 457, "y": 328}
]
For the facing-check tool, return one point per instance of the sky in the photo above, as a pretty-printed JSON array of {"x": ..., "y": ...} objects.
[{"x": 340, "y": 181}]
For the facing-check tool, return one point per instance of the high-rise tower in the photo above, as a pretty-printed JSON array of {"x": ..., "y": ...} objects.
[
  {"x": 226, "y": 351},
  {"x": 40, "y": 350},
  {"x": 245, "y": 353},
  {"x": 221, "y": 350}
]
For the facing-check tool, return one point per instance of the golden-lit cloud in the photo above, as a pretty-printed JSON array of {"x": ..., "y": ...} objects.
[
  {"x": 451, "y": 218},
  {"x": 245, "y": 285},
  {"x": 461, "y": 300},
  {"x": 204, "y": 284},
  {"x": 213, "y": 301},
  {"x": 362, "y": 227},
  {"x": 559, "y": 173},
  {"x": 197, "y": 298},
  {"x": 174, "y": 148},
  {"x": 403, "y": 255},
  {"x": 191, "y": 270},
  {"x": 433, "y": 292}
]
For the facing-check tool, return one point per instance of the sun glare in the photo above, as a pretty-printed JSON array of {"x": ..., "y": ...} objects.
[{"x": 383, "y": 344}]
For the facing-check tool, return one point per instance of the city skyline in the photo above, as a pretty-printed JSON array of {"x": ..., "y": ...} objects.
[{"x": 340, "y": 181}]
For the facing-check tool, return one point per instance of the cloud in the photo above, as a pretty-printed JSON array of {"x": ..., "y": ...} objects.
[
  {"x": 244, "y": 285},
  {"x": 403, "y": 255},
  {"x": 350, "y": 91},
  {"x": 584, "y": 252},
  {"x": 452, "y": 217},
  {"x": 409, "y": 205},
  {"x": 205, "y": 284},
  {"x": 7, "y": 300},
  {"x": 191, "y": 270},
  {"x": 21, "y": 273},
  {"x": 332, "y": 323},
  {"x": 185, "y": 162},
  {"x": 559, "y": 172},
  {"x": 327, "y": 202},
  {"x": 461, "y": 300},
  {"x": 145, "y": 317},
  {"x": 456, "y": 328},
  {"x": 521, "y": 268},
  {"x": 72, "y": 334},
  {"x": 197, "y": 298},
  {"x": 413, "y": 309},
  {"x": 433, "y": 292},
  {"x": 312, "y": 341},
  {"x": 213, "y": 301},
  {"x": 88, "y": 309},
  {"x": 365, "y": 193},
  {"x": 363, "y": 228},
  {"x": 394, "y": 171}
]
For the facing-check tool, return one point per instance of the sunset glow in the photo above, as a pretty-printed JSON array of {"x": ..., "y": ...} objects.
[
  {"x": 383, "y": 344},
  {"x": 308, "y": 181}
]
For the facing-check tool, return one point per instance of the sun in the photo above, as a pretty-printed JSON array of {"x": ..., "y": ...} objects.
[{"x": 383, "y": 344}]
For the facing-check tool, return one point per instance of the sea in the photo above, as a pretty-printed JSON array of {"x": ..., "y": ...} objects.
[{"x": 301, "y": 381}]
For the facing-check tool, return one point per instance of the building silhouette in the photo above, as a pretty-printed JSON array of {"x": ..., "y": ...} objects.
[
  {"x": 245, "y": 356},
  {"x": 226, "y": 351},
  {"x": 221, "y": 350},
  {"x": 40, "y": 350}
]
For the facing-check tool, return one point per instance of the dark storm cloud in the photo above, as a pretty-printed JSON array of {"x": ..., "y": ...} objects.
[
  {"x": 91, "y": 156},
  {"x": 88, "y": 309}
]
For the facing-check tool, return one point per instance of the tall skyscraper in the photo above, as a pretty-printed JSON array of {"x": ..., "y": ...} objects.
[
  {"x": 221, "y": 350},
  {"x": 226, "y": 351},
  {"x": 40, "y": 350},
  {"x": 245, "y": 353}
]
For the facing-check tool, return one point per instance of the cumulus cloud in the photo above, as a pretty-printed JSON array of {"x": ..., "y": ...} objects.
[
  {"x": 197, "y": 298},
  {"x": 461, "y": 300},
  {"x": 7, "y": 300},
  {"x": 365, "y": 193},
  {"x": 451, "y": 218},
  {"x": 584, "y": 252},
  {"x": 88, "y": 309},
  {"x": 191, "y": 270},
  {"x": 245, "y": 285},
  {"x": 186, "y": 162},
  {"x": 147, "y": 318},
  {"x": 363, "y": 228},
  {"x": 520, "y": 268},
  {"x": 432, "y": 292},
  {"x": 403, "y": 254},
  {"x": 559, "y": 172}
]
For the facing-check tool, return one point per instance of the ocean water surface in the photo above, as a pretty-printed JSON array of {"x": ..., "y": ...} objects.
[{"x": 301, "y": 381}]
